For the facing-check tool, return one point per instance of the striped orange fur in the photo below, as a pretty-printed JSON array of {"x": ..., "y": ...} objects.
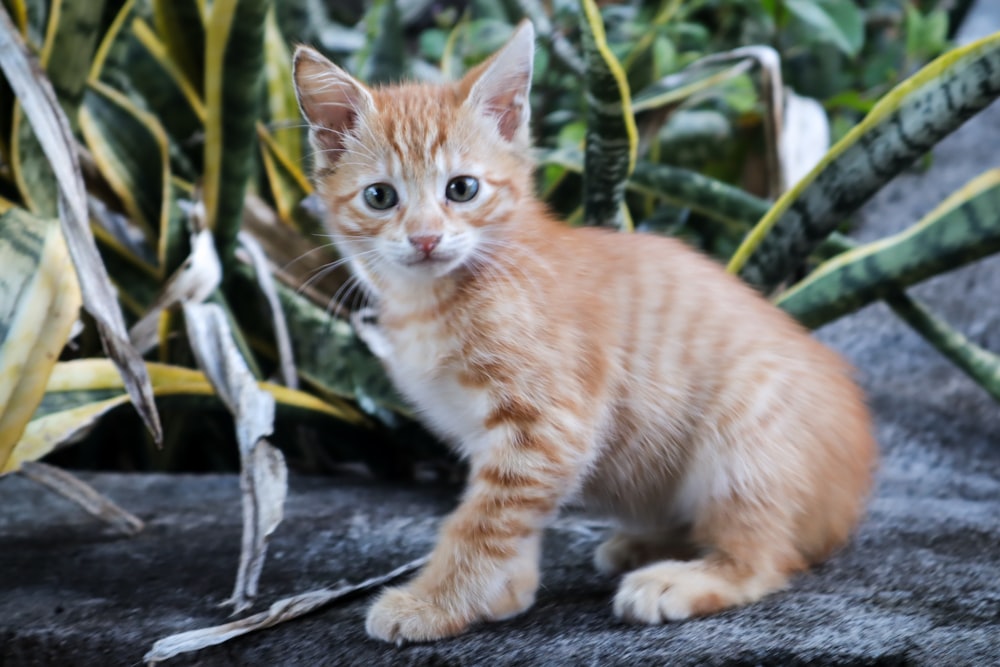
[{"x": 624, "y": 371}]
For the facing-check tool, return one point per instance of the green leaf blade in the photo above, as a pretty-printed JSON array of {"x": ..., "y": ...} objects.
[
  {"x": 902, "y": 127},
  {"x": 612, "y": 138},
  {"x": 234, "y": 76},
  {"x": 962, "y": 229}
]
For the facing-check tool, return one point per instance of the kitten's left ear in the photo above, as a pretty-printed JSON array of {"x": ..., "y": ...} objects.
[{"x": 500, "y": 87}]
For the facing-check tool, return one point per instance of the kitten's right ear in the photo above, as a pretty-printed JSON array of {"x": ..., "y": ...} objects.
[
  {"x": 500, "y": 87},
  {"x": 331, "y": 101}
]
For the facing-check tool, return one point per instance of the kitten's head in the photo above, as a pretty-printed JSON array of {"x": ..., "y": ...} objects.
[{"x": 420, "y": 179}]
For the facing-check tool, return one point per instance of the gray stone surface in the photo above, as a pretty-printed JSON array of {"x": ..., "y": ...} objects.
[{"x": 919, "y": 585}]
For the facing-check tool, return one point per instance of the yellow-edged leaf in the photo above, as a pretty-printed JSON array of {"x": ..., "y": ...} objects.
[{"x": 39, "y": 302}]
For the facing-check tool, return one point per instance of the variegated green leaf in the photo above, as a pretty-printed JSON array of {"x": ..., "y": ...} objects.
[
  {"x": 110, "y": 38},
  {"x": 562, "y": 49},
  {"x": 383, "y": 60},
  {"x": 165, "y": 90},
  {"x": 59, "y": 147},
  {"x": 680, "y": 187},
  {"x": 288, "y": 185},
  {"x": 612, "y": 139},
  {"x": 82, "y": 391},
  {"x": 663, "y": 16},
  {"x": 964, "y": 228},
  {"x": 39, "y": 302},
  {"x": 70, "y": 52},
  {"x": 32, "y": 172},
  {"x": 180, "y": 25},
  {"x": 234, "y": 68},
  {"x": 36, "y": 13},
  {"x": 172, "y": 72},
  {"x": 284, "y": 118},
  {"x": 979, "y": 364},
  {"x": 327, "y": 353},
  {"x": 130, "y": 149},
  {"x": 900, "y": 128},
  {"x": 688, "y": 189},
  {"x": 684, "y": 84},
  {"x": 19, "y": 14}
]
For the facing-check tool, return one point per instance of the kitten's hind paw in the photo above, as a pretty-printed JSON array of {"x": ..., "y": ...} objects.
[
  {"x": 624, "y": 551},
  {"x": 400, "y": 616},
  {"x": 677, "y": 590}
]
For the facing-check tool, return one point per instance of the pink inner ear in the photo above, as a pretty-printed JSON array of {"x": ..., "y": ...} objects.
[
  {"x": 329, "y": 140},
  {"x": 331, "y": 101},
  {"x": 508, "y": 112},
  {"x": 501, "y": 89}
]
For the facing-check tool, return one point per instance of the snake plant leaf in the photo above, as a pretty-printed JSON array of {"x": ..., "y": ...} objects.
[
  {"x": 383, "y": 59},
  {"x": 328, "y": 355},
  {"x": 58, "y": 144},
  {"x": 284, "y": 118},
  {"x": 612, "y": 138},
  {"x": 680, "y": 187},
  {"x": 58, "y": 429},
  {"x": 33, "y": 175},
  {"x": 180, "y": 25},
  {"x": 963, "y": 228},
  {"x": 159, "y": 52},
  {"x": 901, "y": 127},
  {"x": 156, "y": 82},
  {"x": 19, "y": 14},
  {"x": 684, "y": 188},
  {"x": 682, "y": 85},
  {"x": 287, "y": 183},
  {"x": 979, "y": 364},
  {"x": 135, "y": 279},
  {"x": 79, "y": 382},
  {"x": 839, "y": 22},
  {"x": 663, "y": 16},
  {"x": 82, "y": 391},
  {"x": 129, "y": 147},
  {"x": 70, "y": 51},
  {"x": 562, "y": 49},
  {"x": 110, "y": 39},
  {"x": 36, "y": 17},
  {"x": 234, "y": 68},
  {"x": 131, "y": 150},
  {"x": 39, "y": 302}
]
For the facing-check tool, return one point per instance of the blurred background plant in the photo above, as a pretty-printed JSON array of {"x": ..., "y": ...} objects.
[{"x": 194, "y": 161}]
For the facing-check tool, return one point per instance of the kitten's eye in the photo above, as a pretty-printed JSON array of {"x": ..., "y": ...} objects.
[
  {"x": 462, "y": 188},
  {"x": 381, "y": 196}
]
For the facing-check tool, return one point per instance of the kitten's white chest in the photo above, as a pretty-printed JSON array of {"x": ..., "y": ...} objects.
[{"x": 418, "y": 363}]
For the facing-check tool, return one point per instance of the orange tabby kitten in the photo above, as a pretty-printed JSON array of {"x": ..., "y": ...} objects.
[{"x": 626, "y": 371}]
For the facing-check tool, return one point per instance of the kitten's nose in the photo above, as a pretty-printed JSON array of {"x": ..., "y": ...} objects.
[{"x": 425, "y": 243}]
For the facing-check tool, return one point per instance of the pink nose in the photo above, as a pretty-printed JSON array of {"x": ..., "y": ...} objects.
[{"x": 425, "y": 243}]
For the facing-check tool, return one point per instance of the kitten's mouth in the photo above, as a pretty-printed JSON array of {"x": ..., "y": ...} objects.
[
  {"x": 432, "y": 259},
  {"x": 427, "y": 259}
]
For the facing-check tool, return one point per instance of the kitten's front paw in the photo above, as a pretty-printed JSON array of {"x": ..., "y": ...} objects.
[
  {"x": 365, "y": 324},
  {"x": 399, "y": 616}
]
